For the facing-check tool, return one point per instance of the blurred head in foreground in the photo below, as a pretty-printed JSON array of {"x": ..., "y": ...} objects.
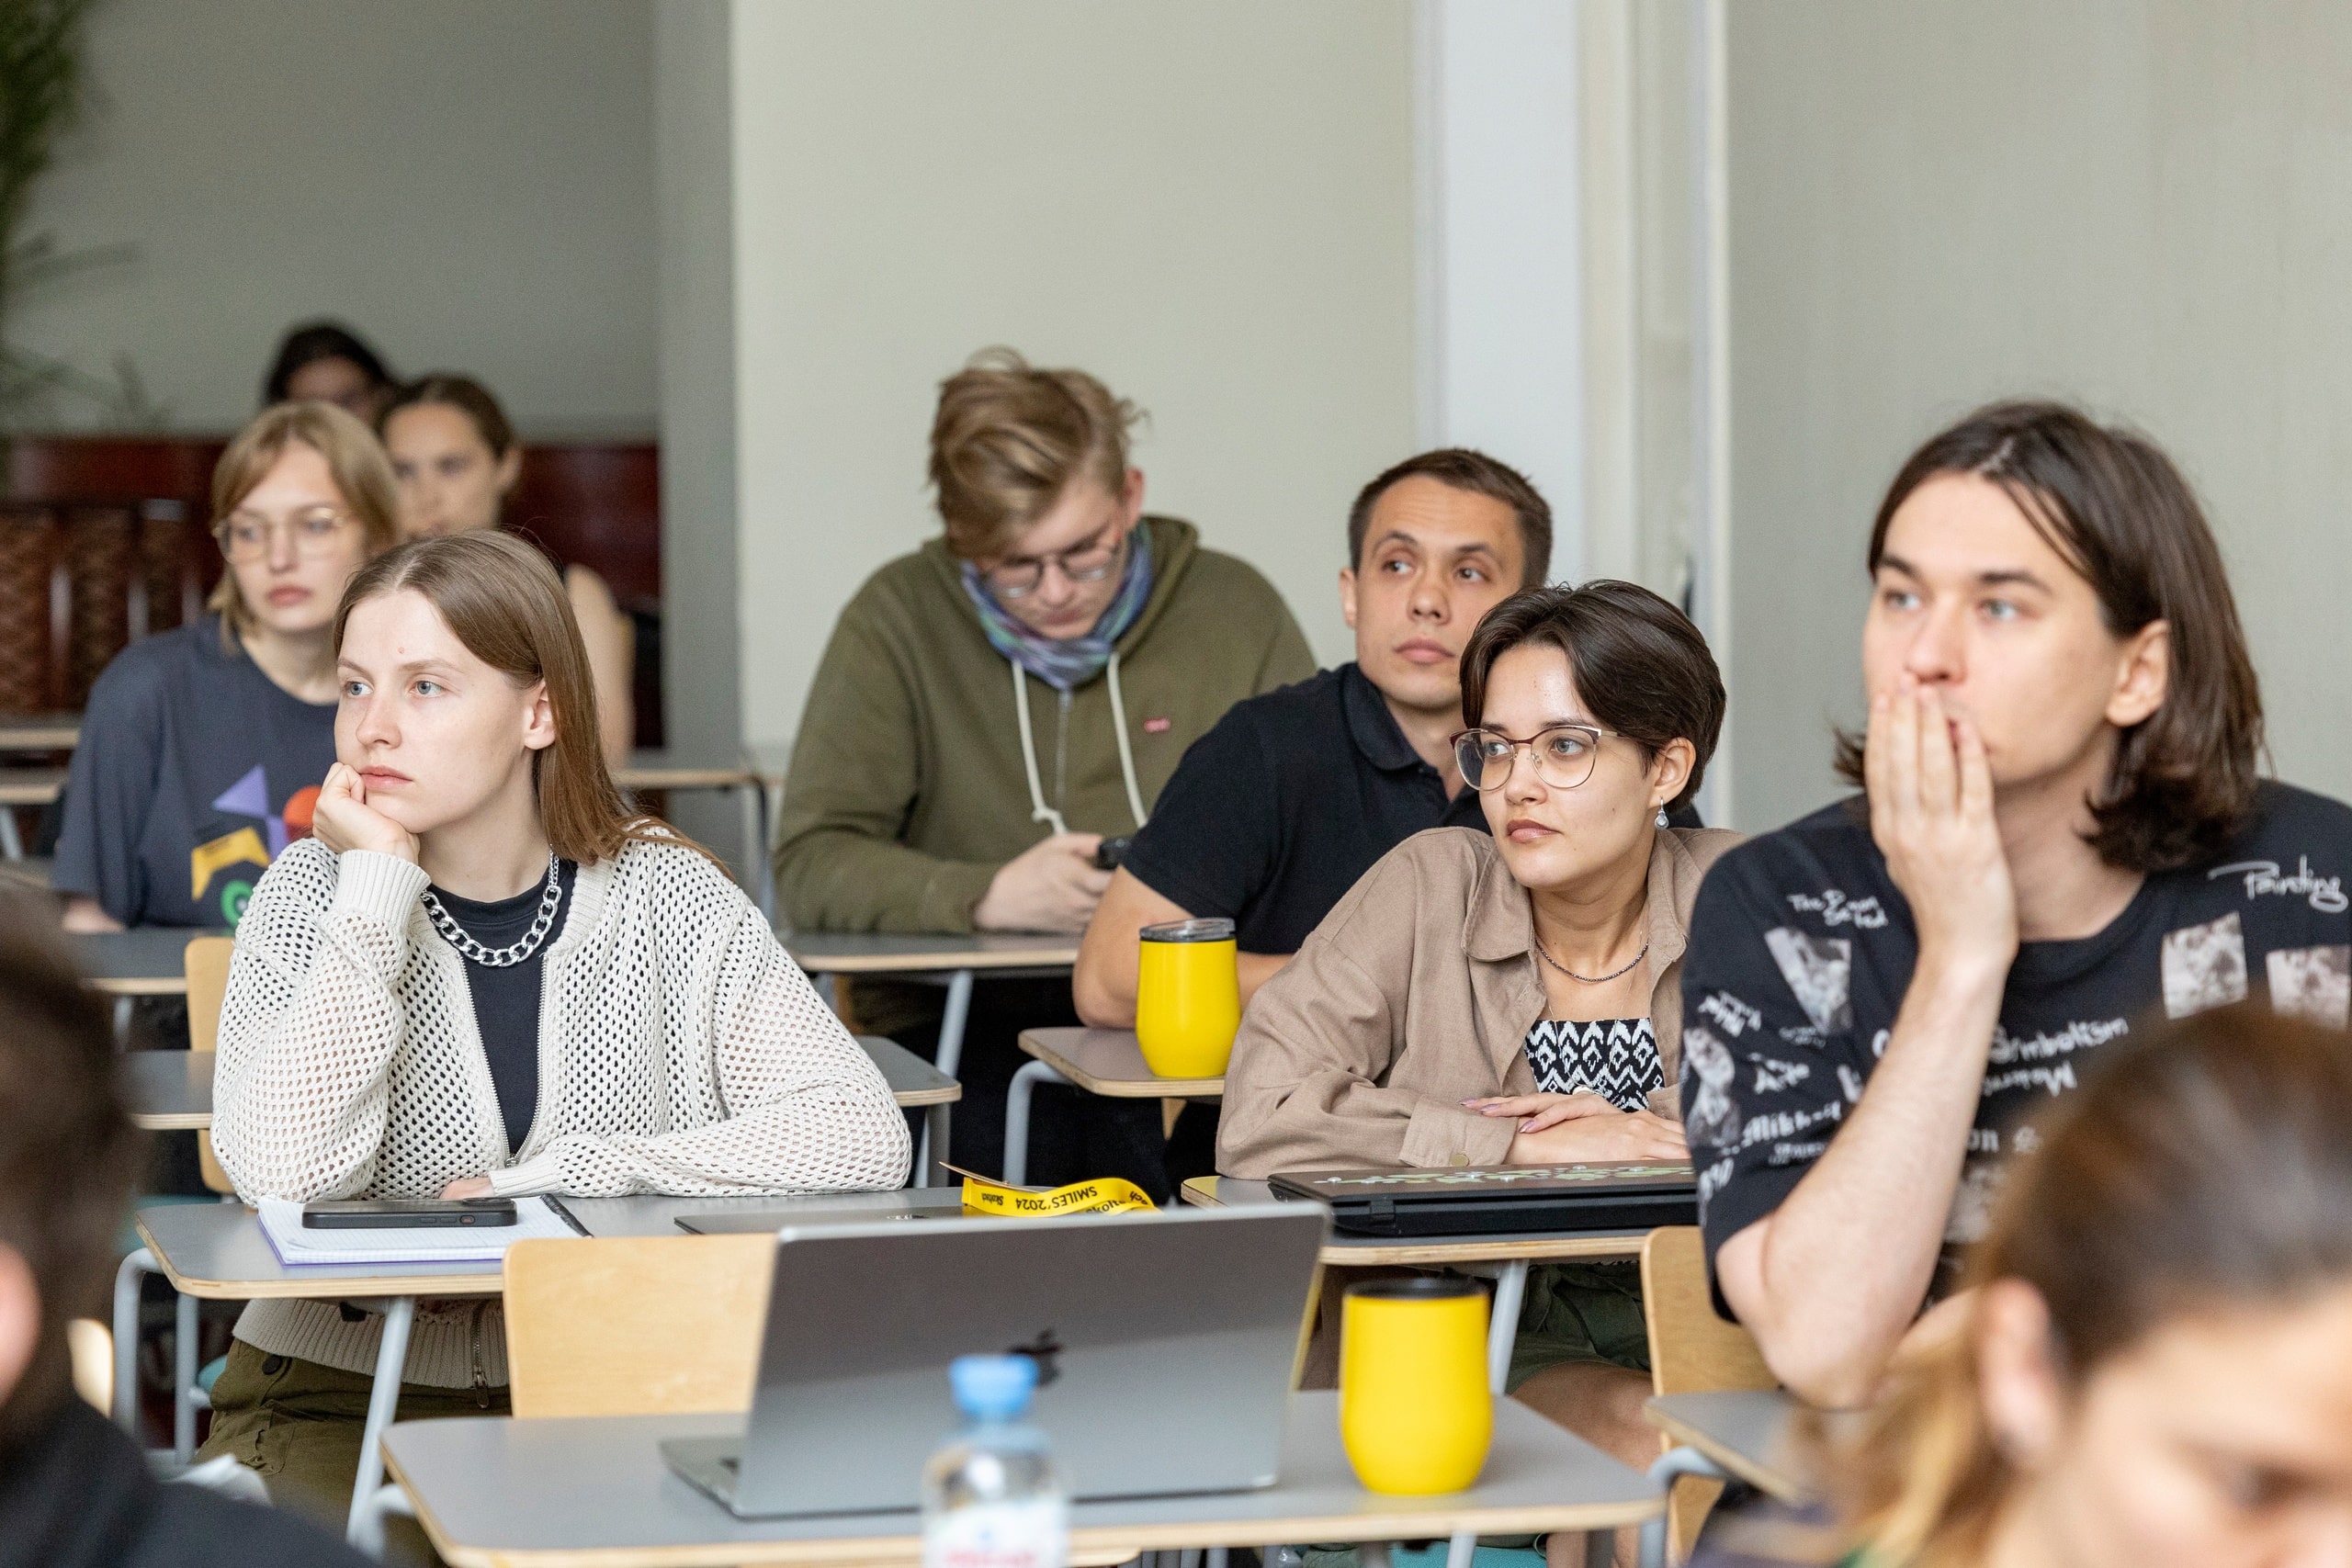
[{"x": 2158, "y": 1371}]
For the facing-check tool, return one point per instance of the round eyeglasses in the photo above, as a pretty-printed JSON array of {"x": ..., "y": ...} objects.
[
  {"x": 245, "y": 537},
  {"x": 1088, "y": 562},
  {"x": 1563, "y": 754}
]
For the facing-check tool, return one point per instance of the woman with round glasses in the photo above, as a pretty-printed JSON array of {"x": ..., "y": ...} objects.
[
  {"x": 202, "y": 748},
  {"x": 1513, "y": 998}
]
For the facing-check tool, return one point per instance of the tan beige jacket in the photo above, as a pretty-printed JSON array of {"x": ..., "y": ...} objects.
[{"x": 1415, "y": 994}]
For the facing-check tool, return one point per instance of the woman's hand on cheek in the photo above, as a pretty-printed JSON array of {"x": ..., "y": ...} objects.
[
  {"x": 468, "y": 1186},
  {"x": 343, "y": 820}
]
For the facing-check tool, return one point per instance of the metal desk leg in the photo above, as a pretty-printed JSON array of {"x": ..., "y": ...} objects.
[
  {"x": 367, "y": 1529},
  {"x": 391, "y": 1359},
  {"x": 127, "y": 1276},
  {"x": 950, "y": 1055},
  {"x": 761, "y": 882},
  {"x": 11, "y": 846},
  {"x": 1671, "y": 1467},
  {"x": 1016, "y": 1119},
  {"x": 1502, "y": 1333},
  {"x": 934, "y": 1172},
  {"x": 183, "y": 1381}
]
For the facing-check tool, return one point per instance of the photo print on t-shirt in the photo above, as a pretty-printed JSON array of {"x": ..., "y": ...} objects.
[
  {"x": 2204, "y": 966},
  {"x": 1971, "y": 1216},
  {"x": 1708, "y": 1116},
  {"x": 1819, "y": 970},
  {"x": 2312, "y": 982}
]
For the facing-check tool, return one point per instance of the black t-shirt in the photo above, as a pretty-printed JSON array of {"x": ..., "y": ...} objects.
[
  {"x": 193, "y": 772},
  {"x": 507, "y": 1001},
  {"x": 1275, "y": 812},
  {"x": 1801, "y": 950}
]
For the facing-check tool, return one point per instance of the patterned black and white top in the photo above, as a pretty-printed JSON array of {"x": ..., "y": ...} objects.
[
  {"x": 1613, "y": 1058},
  {"x": 1802, "y": 949}
]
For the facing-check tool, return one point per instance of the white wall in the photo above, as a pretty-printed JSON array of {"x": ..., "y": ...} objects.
[
  {"x": 2140, "y": 205},
  {"x": 1501, "y": 351},
  {"x": 1208, "y": 203},
  {"x": 470, "y": 185}
]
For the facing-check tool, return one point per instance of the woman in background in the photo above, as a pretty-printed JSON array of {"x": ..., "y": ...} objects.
[
  {"x": 2157, "y": 1368},
  {"x": 202, "y": 747},
  {"x": 457, "y": 460},
  {"x": 326, "y": 362}
]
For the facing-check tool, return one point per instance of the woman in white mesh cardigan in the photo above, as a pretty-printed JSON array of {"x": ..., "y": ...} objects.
[{"x": 483, "y": 976}]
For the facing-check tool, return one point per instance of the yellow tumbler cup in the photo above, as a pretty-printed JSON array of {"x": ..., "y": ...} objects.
[
  {"x": 1188, "y": 997},
  {"x": 1416, "y": 1414}
]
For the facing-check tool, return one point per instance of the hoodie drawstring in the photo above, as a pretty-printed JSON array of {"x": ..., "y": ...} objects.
[{"x": 1039, "y": 811}]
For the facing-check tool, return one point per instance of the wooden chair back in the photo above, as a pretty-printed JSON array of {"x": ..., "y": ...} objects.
[
  {"x": 636, "y": 1325},
  {"x": 1692, "y": 1351},
  {"x": 206, "y": 963}
]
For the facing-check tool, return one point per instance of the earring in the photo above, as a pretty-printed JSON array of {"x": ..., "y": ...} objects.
[{"x": 1661, "y": 817}]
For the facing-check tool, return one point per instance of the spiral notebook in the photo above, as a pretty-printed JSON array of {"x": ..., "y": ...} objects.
[{"x": 297, "y": 1245}]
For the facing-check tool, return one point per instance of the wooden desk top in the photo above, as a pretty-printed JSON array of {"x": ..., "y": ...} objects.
[
  {"x": 217, "y": 1250},
  {"x": 881, "y": 953},
  {"x": 172, "y": 1091},
  {"x": 1427, "y": 1252},
  {"x": 595, "y": 1492},
  {"x": 148, "y": 961},
  {"x": 40, "y": 732},
  {"x": 665, "y": 770},
  {"x": 1746, "y": 1432},
  {"x": 30, "y": 786},
  {"x": 1109, "y": 1062}
]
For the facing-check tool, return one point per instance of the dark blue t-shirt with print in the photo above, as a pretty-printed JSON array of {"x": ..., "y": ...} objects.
[
  {"x": 1802, "y": 949},
  {"x": 193, "y": 772}
]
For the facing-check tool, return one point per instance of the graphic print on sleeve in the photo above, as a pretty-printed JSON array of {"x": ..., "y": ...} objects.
[{"x": 1801, "y": 949}]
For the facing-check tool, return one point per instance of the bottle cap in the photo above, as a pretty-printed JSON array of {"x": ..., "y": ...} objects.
[{"x": 992, "y": 1388}]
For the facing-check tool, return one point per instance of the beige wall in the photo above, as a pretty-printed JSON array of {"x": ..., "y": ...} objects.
[
  {"x": 470, "y": 185},
  {"x": 1209, "y": 203},
  {"x": 2140, "y": 205}
]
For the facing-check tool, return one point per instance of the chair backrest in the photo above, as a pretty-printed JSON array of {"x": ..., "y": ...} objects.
[
  {"x": 636, "y": 1325},
  {"x": 206, "y": 963},
  {"x": 1691, "y": 1350}
]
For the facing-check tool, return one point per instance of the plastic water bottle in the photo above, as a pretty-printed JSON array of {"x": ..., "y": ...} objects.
[{"x": 990, "y": 1497}]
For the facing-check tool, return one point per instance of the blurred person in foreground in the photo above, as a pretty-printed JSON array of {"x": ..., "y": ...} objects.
[{"x": 75, "y": 1491}]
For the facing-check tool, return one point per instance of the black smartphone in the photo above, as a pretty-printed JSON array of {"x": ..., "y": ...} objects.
[
  {"x": 404, "y": 1213},
  {"x": 1110, "y": 852}
]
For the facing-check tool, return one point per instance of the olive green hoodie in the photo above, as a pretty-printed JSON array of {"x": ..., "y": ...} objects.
[{"x": 908, "y": 787}]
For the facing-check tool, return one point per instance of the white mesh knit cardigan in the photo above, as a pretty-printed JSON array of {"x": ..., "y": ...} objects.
[{"x": 680, "y": 1051}]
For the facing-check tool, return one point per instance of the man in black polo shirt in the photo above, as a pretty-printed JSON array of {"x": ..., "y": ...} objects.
[{"x": 1276, "y": 811}]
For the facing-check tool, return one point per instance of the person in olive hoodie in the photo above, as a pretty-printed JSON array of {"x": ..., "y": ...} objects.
[{"x": 993, "y": 707}]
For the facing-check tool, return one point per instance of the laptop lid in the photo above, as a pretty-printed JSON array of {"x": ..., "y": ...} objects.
[
  {"x": 1167, "y": 1346},
  {"x": 1475, "y": 1200}
]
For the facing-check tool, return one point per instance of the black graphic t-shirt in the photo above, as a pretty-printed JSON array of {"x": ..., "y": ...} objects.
[
  {"x": 1613, "y": 1058},
  {"x": 1801, "y": 951},
  {"x": 195, "y": 771}
]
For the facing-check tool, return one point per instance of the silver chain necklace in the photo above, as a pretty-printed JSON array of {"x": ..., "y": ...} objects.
[
  {"x": 1589, "y": 979},
  {"x": 501, "y": 958}
]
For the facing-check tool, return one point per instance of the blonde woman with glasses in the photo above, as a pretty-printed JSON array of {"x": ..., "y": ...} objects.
[{"x": 202, "y": 748}]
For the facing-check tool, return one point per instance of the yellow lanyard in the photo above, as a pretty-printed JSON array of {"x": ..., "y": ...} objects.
[{"x": 1107, "y": 1195}]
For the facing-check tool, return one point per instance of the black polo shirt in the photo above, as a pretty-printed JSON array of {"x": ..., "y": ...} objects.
[{"x": 1278, "y": 809}]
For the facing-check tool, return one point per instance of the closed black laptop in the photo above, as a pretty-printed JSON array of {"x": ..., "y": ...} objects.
[{"x": 1485, "y": 1199}]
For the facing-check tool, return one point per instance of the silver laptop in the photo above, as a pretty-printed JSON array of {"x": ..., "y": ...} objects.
[{"x": 1167, "y": 1344}]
